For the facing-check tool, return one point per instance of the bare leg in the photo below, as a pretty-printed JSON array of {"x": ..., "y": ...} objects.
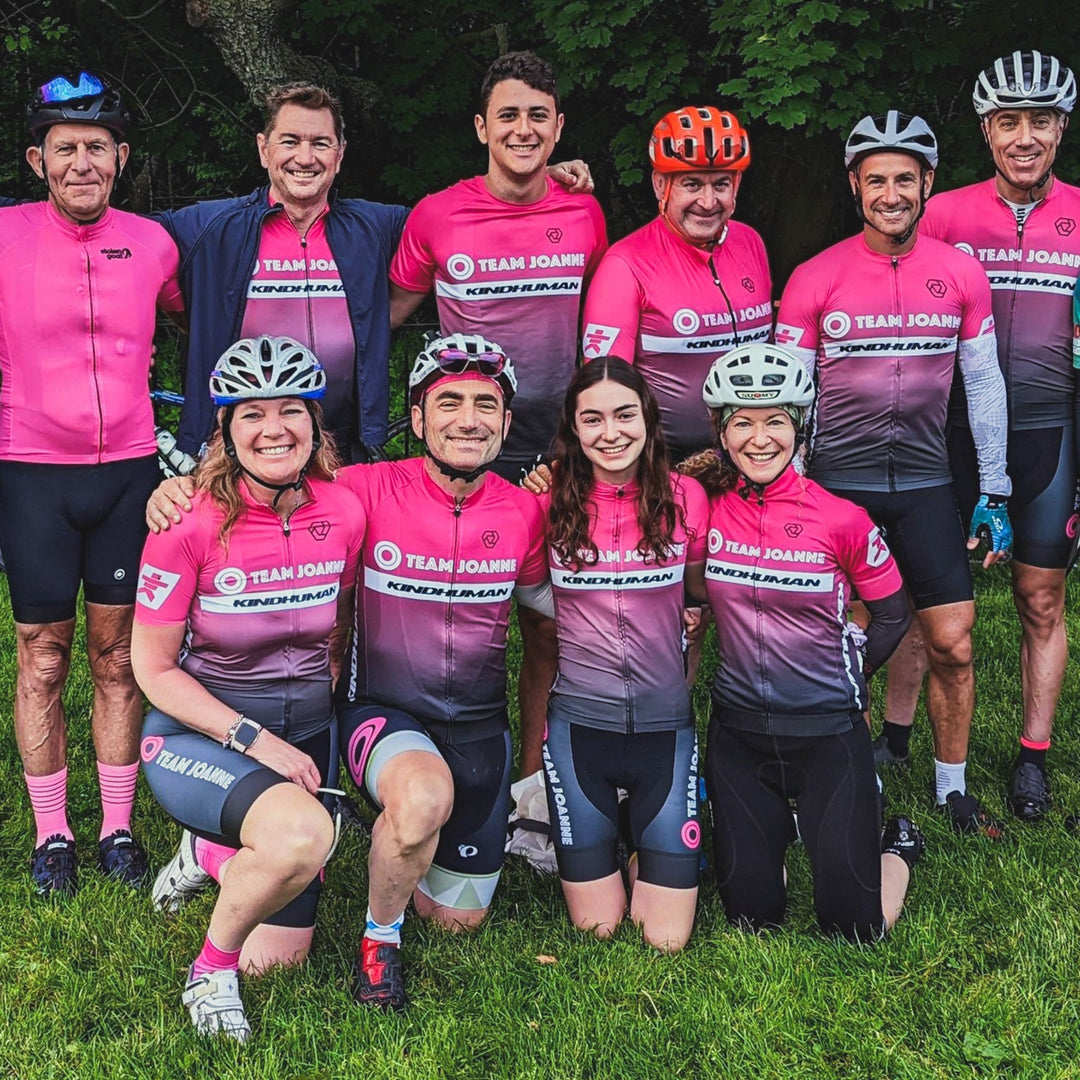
[
  {"x": 907, "y": 668},
  {"x": 895, "y": 877},
  {"x": 43, "y": 653},
  {"x": 118, "y": 710},
  {"x": 951, "y": 688},
  {"x": 1039, "y": 596},
  {"x": 665, "y": 915},
  {"x": 596, "y": 906}
]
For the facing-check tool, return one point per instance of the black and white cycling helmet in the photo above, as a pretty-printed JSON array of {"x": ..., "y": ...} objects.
[
  {"x": 266, "y": 367},
  {"x": 1025, "y": 80},
  {"x": 758, "y": 376},
  {"x": 891, "y": 131},
  {"x": 87, "y": 100},
  {"x": 456, "y": 354}
]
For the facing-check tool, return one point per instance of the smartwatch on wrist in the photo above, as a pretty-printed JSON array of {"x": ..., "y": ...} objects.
[{"x": 242, "y": 735}]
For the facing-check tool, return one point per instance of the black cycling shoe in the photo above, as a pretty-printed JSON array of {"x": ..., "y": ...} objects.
[
  {"x": 1029, "y": 793},
  {"x": 970, "y": 818},
  {"x": 884, "y": 758},
  {"x": 901, "y": 837},
  {"x": 121, "y": 857},
  {"x": 54, "y": 868},
  {"x": 378, "y": 978}
]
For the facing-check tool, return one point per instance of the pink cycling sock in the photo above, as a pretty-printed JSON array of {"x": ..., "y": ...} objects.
[
  {"x": 117, "y": 784},
  {"x": 48, "y": 799},
  {"x": 211, "y": 857},
  {"x": 214, "y": 959}
]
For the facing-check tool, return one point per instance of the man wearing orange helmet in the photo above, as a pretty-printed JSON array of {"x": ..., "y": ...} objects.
[{"x": 692, "y": 284}]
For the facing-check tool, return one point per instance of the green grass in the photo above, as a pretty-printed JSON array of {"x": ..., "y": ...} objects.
[{"x": 980, "y": 978}]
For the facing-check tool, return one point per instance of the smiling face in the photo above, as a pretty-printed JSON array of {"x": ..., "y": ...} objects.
[
  {"x": 301, "y": 155},
  {"x": 760, "y": 443},
  {"x": 520, "y": 129},
  {"x": 697, "y": 204},
  {"x": 1024, "y": 144},
  {"x": 462, "y": 422},
  {"x": 80, "y": 164},
  {"x": 610, "y": 425},
  {"x": 892, "y": 189},
  {"x": 273, "y": 439}
]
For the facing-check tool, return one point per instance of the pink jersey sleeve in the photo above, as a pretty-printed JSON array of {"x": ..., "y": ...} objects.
[
  {"x": 612, "y": 311},
  {"x": 696, "y": 508},
  {"x": 798, "y": 323},
  {"x": 413, "y": 265},
  {"x": 169, "y": 572},
  {"x": 978, "y": 316},
  {"x": 534, "y": 568},
  {"x": 170, "y": 299},
  {"x": 864, "y": 556}
]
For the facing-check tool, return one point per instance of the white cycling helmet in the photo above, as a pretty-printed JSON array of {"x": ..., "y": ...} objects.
[
  {"x": 758, "y": 376},
  {"x": 266, "y": 367},
  {"x": 456, "y": 354},
  {"x": 891, "y": 131},
  {"x": 1025, "y": 80}
]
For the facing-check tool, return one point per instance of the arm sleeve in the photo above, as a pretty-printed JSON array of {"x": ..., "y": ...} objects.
[
  {"x": 538, "y": 597},
  {"x": 612, "y": 311},
  {"x": 889, "y": 619},
  {"x": 413, "y": 265}
]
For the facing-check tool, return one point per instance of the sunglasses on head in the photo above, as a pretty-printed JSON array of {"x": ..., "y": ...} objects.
[{"x": 457, "y": 361}]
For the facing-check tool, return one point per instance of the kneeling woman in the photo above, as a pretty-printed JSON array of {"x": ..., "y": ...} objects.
[
  {"x": 624, "y": 533},
  {"x": 790, "y": 690},
  {"x": 240, "y": 623}
]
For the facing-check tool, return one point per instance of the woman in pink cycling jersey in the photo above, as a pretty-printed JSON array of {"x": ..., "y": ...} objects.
[
  {"x": 242, "y": 612},
  {"x": 784, "y": 558},
  {"x": 625, "y": 537}
]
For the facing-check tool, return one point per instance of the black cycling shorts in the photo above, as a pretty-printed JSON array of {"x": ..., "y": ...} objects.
[
  {"x": 209, "y": 789},
  {"x": 658, "y": 769},
  {"x": 65, "y": 524},
  {"x": 1042, "y": 467},
  {"x": 469, "y": 856},
  {"x": 750, "y": 778},
  {"x": 925, "y": 534}
]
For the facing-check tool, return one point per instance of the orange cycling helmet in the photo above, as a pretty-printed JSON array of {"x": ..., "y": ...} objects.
[{"x": 699, "y": 137}]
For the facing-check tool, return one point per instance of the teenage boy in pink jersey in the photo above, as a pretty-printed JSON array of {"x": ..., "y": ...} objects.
[
  {"x": 80, "y": 285},
  {"x": 680, "y": 292}
]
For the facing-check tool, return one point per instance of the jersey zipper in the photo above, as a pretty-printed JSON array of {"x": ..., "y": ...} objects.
[
  {"x": 94, "y": 358},
  {"x": 307, "y": 296},
  {"x": 1014, "y": 292},
  {"x": 727, "y": 301},
  {"x": 286, "y": 651},
  {"x": 620, "y": 612},
  {"x": 458, "y": 508},
  {"x": 894, "y": 414},
  {"x": 759, "y": 617}
]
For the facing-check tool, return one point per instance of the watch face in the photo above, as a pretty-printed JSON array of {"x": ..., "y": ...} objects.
[{"x": 246, "y": 734}]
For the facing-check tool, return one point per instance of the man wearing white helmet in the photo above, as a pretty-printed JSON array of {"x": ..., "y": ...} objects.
[
  {"x": 425, "y": 732},
  {"x": 884, "y": 319},
  {"x": 1024, "y": 227}
]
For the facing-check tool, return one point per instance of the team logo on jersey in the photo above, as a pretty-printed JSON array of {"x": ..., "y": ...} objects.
[
  {"x": 716, "y": 541},
  {"x": 748, "y": 284},
  {"x": 597, "y": 340},
  {"x": 877, "y": 551},
  {"x": 836, "y": 324},
  {"x": 793, "y": 529},
  {"x": 686, "y": 321},
  {"x": 1065, "y": 226},
  {"x": 787, "y": 335},
  {"x": 155, "y": 585},
  {"x": 490, "y": 538},
  {"x": 936, "y": 287},
  {"x": 967, "y": 249},
  {"x": 116, "y": 253},
  {"x": 387, "y": 555},
  {"x": 230, "y": 581},
  {"x": 460, "y": 267},
  {"x": 319, "y": 530},
  {"x": 554, "y": 235}
]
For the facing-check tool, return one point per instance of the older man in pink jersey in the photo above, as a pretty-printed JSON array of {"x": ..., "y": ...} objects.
[
  {"x": 692, "y": 284},
  {"x": 79, "y": 287}
]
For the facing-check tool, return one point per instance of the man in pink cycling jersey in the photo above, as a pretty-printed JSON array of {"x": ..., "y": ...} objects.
[
  {"x": 79, "y": 287},
  {"x": 884, "y": 319},
  {"x": 1023, "y": 225},
  {"x": 692, "y": 284},
  {"x": 509, "y": 254}
]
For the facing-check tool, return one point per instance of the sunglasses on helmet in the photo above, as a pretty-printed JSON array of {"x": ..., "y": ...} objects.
[
  {"x": 457, "y": 361},
  {"x": 61, "y": 89}
]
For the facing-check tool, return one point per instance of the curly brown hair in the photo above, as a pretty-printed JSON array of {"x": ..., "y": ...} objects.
[
  {"x": 219, "y": 473},
  {"x": 712, "y": 468},
  {"x": 569, "y": 517}
]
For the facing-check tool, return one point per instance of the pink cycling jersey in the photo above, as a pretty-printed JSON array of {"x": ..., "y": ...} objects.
[
  {"x": 779, "y": 575},
  {"x": 434, "y": 605},
  {"x": 296, "y": 291},
  {"x": 885, "y": 333},
  {"x": 514, "y": 273},
  {"x": 77, "y": 312},
  {"x": 619, "y": 619},
  {"x": 673, "y": 308},
  {"x": 260, "y": 612},
  {"x": 1032, "y": 270}
]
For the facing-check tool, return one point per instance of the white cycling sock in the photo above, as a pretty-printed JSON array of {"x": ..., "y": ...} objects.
[
  {"x": 388, "y": 932},
  {"x": 949, "y": 777}
]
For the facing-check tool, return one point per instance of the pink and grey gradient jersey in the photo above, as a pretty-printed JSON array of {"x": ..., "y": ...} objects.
[
  {"x": 296, "y": 291},
  {"x": 514, "y": 273},
  {"x": 77, "y": 311},
  {"x": 886, "y": 333},
  {"x": 1032, "y": 270},
  {"x": 434, "y": 605},
  {"x": 779, "y": 575},
  {"x": 672, "y": 308},
  {"x": 259, "y": 613},
  {"x": 619, "y": 618}
]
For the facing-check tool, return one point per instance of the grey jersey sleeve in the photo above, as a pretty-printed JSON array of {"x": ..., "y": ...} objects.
[
  {"x": 987, "y": 411},
  {"x": 538, "y": 597}
]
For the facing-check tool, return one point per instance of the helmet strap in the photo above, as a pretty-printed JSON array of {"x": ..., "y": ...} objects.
[
  {"x": 451, "y": 472},
  {"x": 909, "y": 232}
]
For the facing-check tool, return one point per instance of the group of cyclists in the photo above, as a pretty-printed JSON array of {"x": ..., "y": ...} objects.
[{"x": 813, "y": 488}]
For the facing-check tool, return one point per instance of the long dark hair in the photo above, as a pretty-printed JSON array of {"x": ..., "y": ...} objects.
[{"x": 570, "y": 519}]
